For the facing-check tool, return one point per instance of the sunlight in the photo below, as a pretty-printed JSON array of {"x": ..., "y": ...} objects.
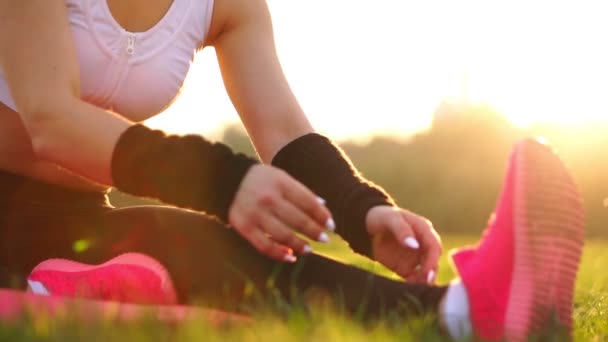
[
  {"x": 525, "y": 61},
  {"x": 360, "y": 69}
]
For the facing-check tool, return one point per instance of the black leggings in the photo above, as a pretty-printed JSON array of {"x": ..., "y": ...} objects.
[{"x": 208, "y": 262}]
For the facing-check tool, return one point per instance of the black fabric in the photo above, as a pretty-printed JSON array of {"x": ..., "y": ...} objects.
[
  {"x": 209, "y": 263},
  {"x": 19, "y": 191},
  {"x": 322, "y": 166},
  {"x": 186, "y": 171}
]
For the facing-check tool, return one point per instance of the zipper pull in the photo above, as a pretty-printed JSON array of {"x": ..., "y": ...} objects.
[{"x": 131, "y": 45}]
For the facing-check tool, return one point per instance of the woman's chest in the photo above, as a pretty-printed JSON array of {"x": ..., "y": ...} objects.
[{"x": 136, "y": 74}]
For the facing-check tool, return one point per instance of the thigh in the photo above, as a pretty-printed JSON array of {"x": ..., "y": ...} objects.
[{"x": 206, "y": 259}]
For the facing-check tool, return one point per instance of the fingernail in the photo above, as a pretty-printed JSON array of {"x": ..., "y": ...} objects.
[
  {"x": 412, "y": 242},
  {"x": 290, "y": 258},
  {"x": 307, "y": 249},
  {"x": 430, "y": 277},
  {"x": 330, "y": 224},
  {"x": 321, "y": 200},
  {"x": 323, "y": 237}
]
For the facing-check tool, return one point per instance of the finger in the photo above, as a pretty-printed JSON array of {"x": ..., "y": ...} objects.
[
  {"x": 428, "y": 278},
  {"x": 294, "y": 217},
  {"x": 266, "y": 246},
  {"x": 432, "y": 275},
  {"x": 429, "y": 264},
  {"x": 406, "y": 265},
  {"x": 431, "y": 245},
  {"x": 305, "y": 200},
  {"x": 416, "y": 276},
  {"x": 403, "y": 232},
  {"x": 282, "y": 234}
]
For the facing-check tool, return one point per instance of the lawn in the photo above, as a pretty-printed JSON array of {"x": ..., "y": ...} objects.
[{"x": 324, "y": 324}]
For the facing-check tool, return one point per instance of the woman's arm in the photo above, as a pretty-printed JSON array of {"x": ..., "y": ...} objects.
[
  {"x": 38, "y": 58},
  {"x": 282, "y": 135},
  {"x": 254, "y": 78}
]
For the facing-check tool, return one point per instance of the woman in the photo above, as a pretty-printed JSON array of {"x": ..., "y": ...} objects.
[{"x": 78, "y": 75}]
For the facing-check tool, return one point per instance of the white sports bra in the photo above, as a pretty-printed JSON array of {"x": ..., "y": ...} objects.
[{"x": 139, "y": 73}]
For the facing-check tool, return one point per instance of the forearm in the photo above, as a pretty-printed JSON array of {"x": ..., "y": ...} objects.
[
  {"x": 256, "y": 83},
  {"x": 185, "y": 171},
  {"x": 271, "y": 124},
  {"x": 77, "y": 136}
]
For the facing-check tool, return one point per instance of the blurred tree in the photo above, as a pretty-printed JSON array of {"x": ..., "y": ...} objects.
[{"x": 234, "y": 135}]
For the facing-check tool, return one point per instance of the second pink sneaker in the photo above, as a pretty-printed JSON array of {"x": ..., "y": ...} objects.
[
  {"x": 522, "y": 273},
  {"x": 128, "y": 278}
]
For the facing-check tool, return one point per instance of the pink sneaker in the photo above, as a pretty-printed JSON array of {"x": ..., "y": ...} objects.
[
  {"x": 128, "y": 278},
  {"x": 522, "y": 272}
]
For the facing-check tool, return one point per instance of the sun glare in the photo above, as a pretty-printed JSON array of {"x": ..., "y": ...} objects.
[{"x": 359, "y": 68}]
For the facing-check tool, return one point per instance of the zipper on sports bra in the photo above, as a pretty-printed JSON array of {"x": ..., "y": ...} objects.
[{"x": 130, "y": 44}]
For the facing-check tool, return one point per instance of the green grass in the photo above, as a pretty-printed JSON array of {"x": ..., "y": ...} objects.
[{"x": 324, "y": 323}]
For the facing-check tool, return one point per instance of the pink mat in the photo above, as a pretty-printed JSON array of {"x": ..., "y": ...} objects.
[{"x": 13, "y": 304}]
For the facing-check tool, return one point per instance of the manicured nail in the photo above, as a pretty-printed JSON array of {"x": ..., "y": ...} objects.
[
  {"x": 430, "y": 277},
  {"x": 412, "y": 242},
  {"x": 323, "y": 237},
  {"x": 321, "y": 201},
  {"x": 290, "y": 258},
  {"x": 307, "y": 249},
  {"x": 330, "y": 224}
]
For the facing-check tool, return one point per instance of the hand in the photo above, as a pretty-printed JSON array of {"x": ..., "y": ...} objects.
[
  {"x": 404, "y": 242},
  {"x": 269, "y": 205}
]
